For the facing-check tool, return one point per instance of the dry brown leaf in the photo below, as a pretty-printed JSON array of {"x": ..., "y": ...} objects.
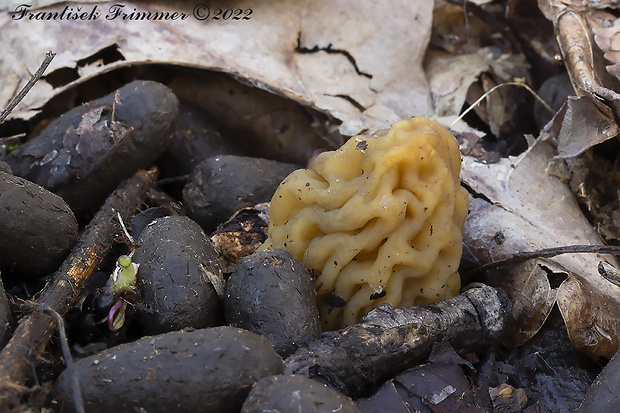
[
  {"x": 450, "y": 77},
  {"x": 573, "y": 36},
  {"x": 525, "y": 209},
  {"x": 338, "y": 56},
  {"x": 574, "y": 24},
  {"x": 527, "y": 286},
  {"x": 574, "y": 129}
]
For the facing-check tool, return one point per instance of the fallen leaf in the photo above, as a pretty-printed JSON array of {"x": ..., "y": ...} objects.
[
  {"x": 532, "y": 210},
  {"x": 579, "y": 125},
  {"x": 450, "y": 77},
  {"x": 527, "y": 286},
  {"x": 361, "y": 62},
  {"x": 573, "y": 26}
]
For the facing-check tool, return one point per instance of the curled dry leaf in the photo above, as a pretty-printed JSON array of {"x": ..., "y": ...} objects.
[
  {"x": 574, "y": 130},
  {"x": 600, "y": 105},
  {"x": 450, "y": 76}
]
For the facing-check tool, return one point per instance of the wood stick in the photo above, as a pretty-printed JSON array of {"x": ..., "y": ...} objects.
[
  {"x": 389, "y": 340},
  {"x": 546, "y": 253},
  {"x": 35, "y": 329},
  {"x": 22, "y": 93}
]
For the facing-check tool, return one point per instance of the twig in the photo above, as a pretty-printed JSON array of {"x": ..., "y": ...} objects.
[
  {"x": 66, "y": 352},
  {"x": 547, "y": 253},
  {"x": 35, "y": 329},
  {"x": 493, "y": 89},
  {"x": 389, "y": 340},
  {"x": 22, "y": 93}
]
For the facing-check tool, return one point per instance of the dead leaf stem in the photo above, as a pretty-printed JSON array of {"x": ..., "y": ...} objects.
[
  {"x": 22, "y": 93},
  {"x": 547, "y": 253},
  {"x": 574, "y": 41},
  {"x": 493, "y": 89}
]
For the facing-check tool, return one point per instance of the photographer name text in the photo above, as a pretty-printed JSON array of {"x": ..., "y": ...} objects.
[{"x": 121, "y": 12}]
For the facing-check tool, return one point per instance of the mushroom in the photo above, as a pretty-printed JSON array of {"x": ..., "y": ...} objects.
[{"x": 378, "y": 220}]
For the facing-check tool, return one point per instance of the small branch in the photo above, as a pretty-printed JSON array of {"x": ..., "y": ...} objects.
[
  {"x": 547, "y": 253},
  {"x": 35, "y": 329},
  {"x": 389, "y": 340},
  {"x": 22, "y": 93},
  {"x": 66, "y": 352},
  {"x": 493, "y": 89}
]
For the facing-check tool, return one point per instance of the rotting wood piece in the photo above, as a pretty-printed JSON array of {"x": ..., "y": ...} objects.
[
  {"x": 389, "y": 340},
  {"x": 35, "y": 330}
]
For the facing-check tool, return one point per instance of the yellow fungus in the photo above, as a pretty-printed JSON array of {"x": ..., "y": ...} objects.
[{"x": 379, "y": 220}]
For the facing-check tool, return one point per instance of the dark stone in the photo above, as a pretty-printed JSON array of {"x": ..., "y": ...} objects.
[
  {"x": 211, "y": 369},
  {"x": 177, "y": 266},
  {"x": 271, "y": 293},
  {"x": 195, "y": 139},
  {"x": 144, "y": 218},
  {"x": 38, "y": 228},
  {"x": 83, "y": 155},
  {"x": 223, "y": 184}
]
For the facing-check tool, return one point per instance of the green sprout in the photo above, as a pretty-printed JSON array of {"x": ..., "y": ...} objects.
[
  {"x": 123, "y": 280},
  {"x": 124, "y": 275}
]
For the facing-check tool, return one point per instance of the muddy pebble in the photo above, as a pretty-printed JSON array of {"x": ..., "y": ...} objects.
[
  {"x": 272, "y": 294},
  {"x": 195, "y": 139},
  {"x": 83, "y": 155},
  {"x": 222, "y": 184},
  {"x": 144, "y": 218},
  {"x": 210, "y": 369},
  {"x": 177, "y": 268},
  {"x": 295, "y": 394},
  {"x": 38, "y": 229}
]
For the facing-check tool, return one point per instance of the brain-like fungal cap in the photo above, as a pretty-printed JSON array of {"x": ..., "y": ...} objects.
[{"x": 378, "y": 220}]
